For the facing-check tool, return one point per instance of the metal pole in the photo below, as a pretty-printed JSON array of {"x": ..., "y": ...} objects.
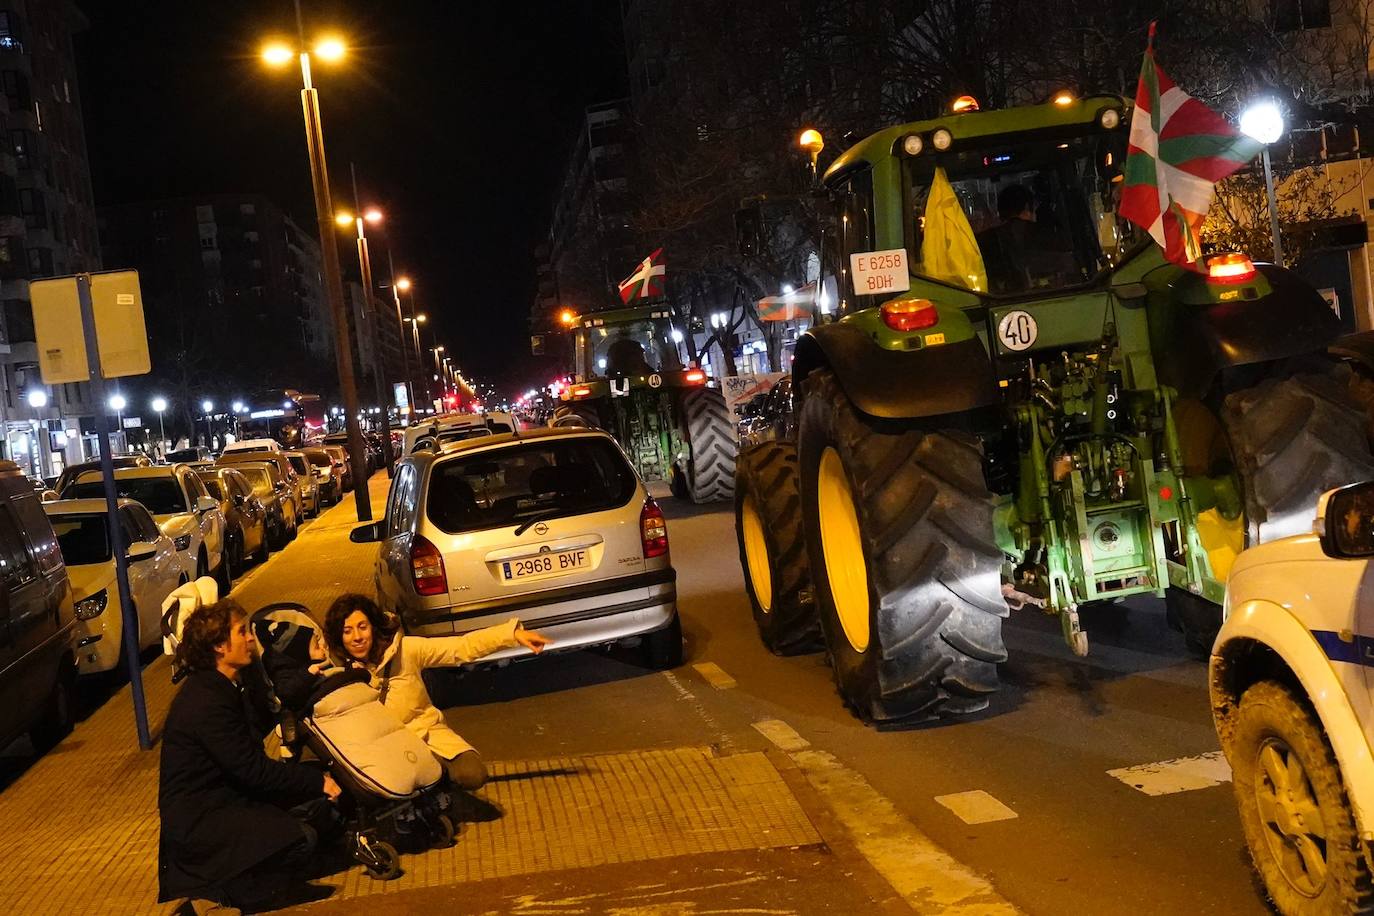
[
  {"x": 162, "y": 437},
  {"x": 1273, "y": 207},
  {"x": 117, "y": 545},
  {"x": 343, "y": 346},
  {"x": 401, "y": 330},
  {"x": 383, "y": 380}
]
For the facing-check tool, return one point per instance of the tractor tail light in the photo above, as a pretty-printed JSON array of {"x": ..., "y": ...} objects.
[
  {"x": 581, "y": 391},
  {"x": 695, "y": 376},
  {"x": 427, "y": 568},
  {"x": 653, "y": 530},
  {"x": 909, "y": 314},
  {"x": 1232, "y": 267}
]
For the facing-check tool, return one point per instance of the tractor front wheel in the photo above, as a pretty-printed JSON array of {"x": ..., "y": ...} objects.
[{"x": 907, "y": 573}]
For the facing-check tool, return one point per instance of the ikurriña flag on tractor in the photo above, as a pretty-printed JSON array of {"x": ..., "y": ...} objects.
[
  {"x": 647, "y": 279},
  {"x": 1178, "y": 150}
]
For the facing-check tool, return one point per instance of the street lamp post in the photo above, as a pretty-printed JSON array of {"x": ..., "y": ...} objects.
[
  {"x": 159, "y": 405},
  {"x": 206, "y": 406},
  {"x": 398, "y": 284},
  {"x": 415, "y": 322},
  {"x": 324, "y": 210},
  {"x": 358, "y": 219},
  {"x": 1263, "y": 121}
]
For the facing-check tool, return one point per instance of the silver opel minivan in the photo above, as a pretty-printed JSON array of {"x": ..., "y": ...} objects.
[{"x": 551, "y": 525}]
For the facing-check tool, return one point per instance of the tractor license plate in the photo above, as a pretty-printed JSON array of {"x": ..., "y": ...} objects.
[{"x": 545, "y": 564}]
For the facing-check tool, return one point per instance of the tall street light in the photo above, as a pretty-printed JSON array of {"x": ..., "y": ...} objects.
[
  {"x": 159, "y": 406},
  {"x": 415, "y": 323},
  {"x": 359, "y": 221},
  {"x": 397, "y": 285},
  {"x": 1263, "y": 121},
  {"x": 328, "y": 49}
]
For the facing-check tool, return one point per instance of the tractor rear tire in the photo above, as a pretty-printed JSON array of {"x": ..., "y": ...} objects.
[
  {"x": 899, "y": 529},
  {"x": 711, "y": 446},
  {"x": 772, "y": 549}
]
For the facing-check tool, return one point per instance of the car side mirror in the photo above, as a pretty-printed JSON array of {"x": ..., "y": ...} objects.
[
  {"x": 240, "y": 499},
  {"x": 367, "y": 534},
  {"x": 139, "y": 551},
  {"x": 206, "y": 503},
  {"x": 1345, "y": 521}
]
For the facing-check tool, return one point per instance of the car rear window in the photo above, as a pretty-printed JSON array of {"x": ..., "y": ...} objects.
[
  {"x": 299, "y": 464},
  {"x": 544, "y": 479},
  {"x": 260, "y": 479},
  {"x": 161, "y": 495},
  {"x": 84, "y": 539},
  {"x": 319, "y": 459}
]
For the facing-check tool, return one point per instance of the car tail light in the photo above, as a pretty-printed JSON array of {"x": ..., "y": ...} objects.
[
  {"x": 427, "y": 568},
  {"x": 695, "y": 376},
  {"x": 1232, "y": 267},
  {"x": 909, "y": 314},
  {"x": 653, "y": 530}
]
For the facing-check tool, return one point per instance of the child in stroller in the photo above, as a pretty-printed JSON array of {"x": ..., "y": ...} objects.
[{"x": 390, "y": 780}]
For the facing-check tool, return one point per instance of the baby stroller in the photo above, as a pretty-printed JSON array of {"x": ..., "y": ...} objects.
[{"x": 390, "y": 780}]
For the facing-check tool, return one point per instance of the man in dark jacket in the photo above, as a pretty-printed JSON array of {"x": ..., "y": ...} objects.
[{"x": 234, "y": 821}]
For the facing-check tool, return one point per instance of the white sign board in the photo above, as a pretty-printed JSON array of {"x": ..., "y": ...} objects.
[
  {"x": 1017, "y": 330},
  {"x": 133, "y": 422},
  {"x": 119, "y": 328},
  {"x": 877, "y": 273}
]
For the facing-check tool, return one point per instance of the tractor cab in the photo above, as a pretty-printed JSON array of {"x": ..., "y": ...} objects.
[{"x": 626, "y": 343}]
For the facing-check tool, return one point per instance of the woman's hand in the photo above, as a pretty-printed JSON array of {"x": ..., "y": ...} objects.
[{"x": 531, "y": 640}]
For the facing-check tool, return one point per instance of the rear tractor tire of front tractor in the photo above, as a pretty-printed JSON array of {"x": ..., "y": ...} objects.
[
  {"x": 772, "y": 548},
  {"x": 907, "y": 573},
  {"x": 711, "y": 446}
]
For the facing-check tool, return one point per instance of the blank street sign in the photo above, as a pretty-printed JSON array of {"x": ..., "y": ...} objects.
[{"x": 119, "y": 327}]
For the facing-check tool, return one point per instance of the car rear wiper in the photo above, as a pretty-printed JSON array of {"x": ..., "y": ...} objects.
[{"x": 538, "y": 517}]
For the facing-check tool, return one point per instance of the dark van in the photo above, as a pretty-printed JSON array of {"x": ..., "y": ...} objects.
[{"x": 37, "y": 621}]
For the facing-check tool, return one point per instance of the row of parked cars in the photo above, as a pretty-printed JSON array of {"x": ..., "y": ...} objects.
[{"x": 60, "y": 611}]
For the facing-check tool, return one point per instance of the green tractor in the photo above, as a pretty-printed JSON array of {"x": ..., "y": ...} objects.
[
  {"x": 1022, "y": 404},
  {"x": 630, "y": 381}
]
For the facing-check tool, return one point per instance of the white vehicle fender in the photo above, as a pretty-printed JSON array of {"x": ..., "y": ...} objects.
[
  {"x": 1275, "y": 627},
  {"x": 179, "y": 525}
]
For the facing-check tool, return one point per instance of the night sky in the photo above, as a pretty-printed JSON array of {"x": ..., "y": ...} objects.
[{"x": 459, "y": 115}]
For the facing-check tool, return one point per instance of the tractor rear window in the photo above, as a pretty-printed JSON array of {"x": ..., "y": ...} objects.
[
  {"x": 546, "y": 479},
  {"x": 629, "y": 348},
  {"x": 1023, "y": 218}
]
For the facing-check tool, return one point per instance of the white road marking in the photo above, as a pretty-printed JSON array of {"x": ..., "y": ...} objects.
[
  {"x": 928, "y": 878},
  {"x": 781, "y": 734},
  {"x": 976, "y": 807},
  {"x": 1179, "y": 775},
  {"x": 722, "y": 737},
  {"x": 714, "y": 675}
]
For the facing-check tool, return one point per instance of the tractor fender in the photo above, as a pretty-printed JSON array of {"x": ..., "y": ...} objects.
[
  {"x": 898, "y": 384},
  {"x": 1291, "y": 320},
  {"x": 1357, "y": 348}
]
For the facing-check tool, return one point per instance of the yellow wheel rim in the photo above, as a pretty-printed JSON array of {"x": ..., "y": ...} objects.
[
  {"x": 843, "y": 550},
  {"x": 756, "y": 554},
  {"x": 1222, "y": 540}
]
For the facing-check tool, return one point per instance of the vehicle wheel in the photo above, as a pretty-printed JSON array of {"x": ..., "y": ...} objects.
[
  {"x": 588, "y": 413},
  {"x": 381, "y": 860},
  {"x": 711, "y": 445},
  {"x": 662, "y": 649},
  {"x": 1293, "y": 807},
  {"x": 59, "y": 713},
  {"x": 445, "y": 832},
  {"x": 772, "y": 548},
  {"x": 292, "y": 530},
  {"x": 907, "y": 573},
  {"x": 264, "y": 546}
]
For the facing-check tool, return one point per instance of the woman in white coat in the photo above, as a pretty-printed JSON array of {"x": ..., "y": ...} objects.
[{"x": 359, "y": 633}]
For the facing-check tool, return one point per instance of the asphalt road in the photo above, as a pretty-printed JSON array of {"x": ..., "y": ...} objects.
[{"x": 1071, "y": 839}]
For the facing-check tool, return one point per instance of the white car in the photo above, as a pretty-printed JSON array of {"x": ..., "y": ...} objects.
[
  {"x": 1292, "y": 692},
  {"x": 182, "y": 507},
  {"x": 253, "y": 445},
  {"x": 83, "y": 534}
]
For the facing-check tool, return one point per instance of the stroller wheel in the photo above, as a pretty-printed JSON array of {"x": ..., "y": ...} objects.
[
  {"x": 444, "y": 832},
  {"x": 378, "y": 856}
]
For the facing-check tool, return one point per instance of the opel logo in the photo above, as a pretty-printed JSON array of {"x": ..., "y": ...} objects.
[{"x": 541, "y": 529}]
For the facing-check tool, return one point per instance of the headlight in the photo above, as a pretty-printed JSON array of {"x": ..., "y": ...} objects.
[
  {"x": 183, "y": 542},
  {"x": 92, "y": 606}
]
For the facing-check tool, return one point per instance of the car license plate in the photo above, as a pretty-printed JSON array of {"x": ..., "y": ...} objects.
[{"x": 546, "y": 564}]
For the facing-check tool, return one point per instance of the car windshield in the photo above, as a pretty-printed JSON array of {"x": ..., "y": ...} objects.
[
  {"x": 185, "y": 454},
  {"x": 299, "y": 464},
  {"x": 160, "y": 495},
  {"x": 632, "y": 348},
  {"x": 84, "y": 539},
  {"x": 1030, "y": 217},
  {"x": 319, "y": 459},
  {"x": 259, "y": 478},
  {"x": 544, "y": 479}
]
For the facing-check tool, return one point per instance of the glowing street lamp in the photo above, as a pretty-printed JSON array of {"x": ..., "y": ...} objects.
[
  {"x": 37, "y": 398},
  {"x": 1263, "y": 121},
  {"x": 159, "y": 405}
]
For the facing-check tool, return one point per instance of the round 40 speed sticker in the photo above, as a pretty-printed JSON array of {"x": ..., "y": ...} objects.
[{"x": 1017, "y": 330}]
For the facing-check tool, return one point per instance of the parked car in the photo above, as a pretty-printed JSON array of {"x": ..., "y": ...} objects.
[
  {"x": 83, "y": 531},
  {"x": 345, "y": 465},
  {"x": 37, "y": 656},
  {"x": 554, "y": 526},
  {"x": 73, "y": 471},
  {"x": 309, "y": 483},
  {"x": 295, "y": 501},
  {"x": 182, "y": 507},
  {"x": 195, "y": 454},
  {"x": 1294, "y": 705},
  {"x": 275, "y": 496},
  {"x": 252, "y": 445},
  {"x": 245, "y": 519},
  {"x": 371, "y": 451},
  {"x": 328, "y": 473}
]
